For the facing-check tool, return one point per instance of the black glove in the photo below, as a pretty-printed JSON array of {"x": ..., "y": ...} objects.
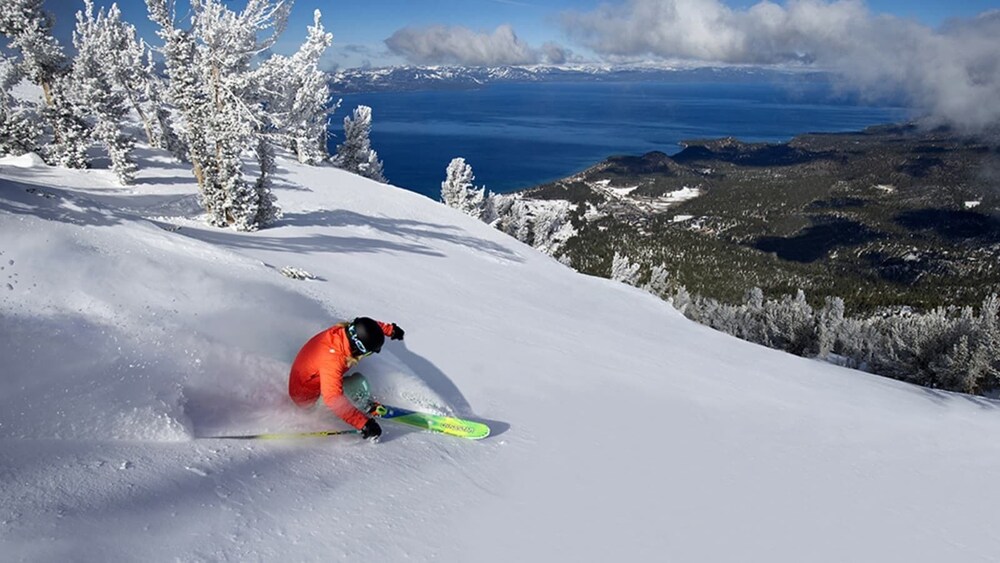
[
  {"x": 371, "y": 430},
  {"x": 397, "y": 333}
]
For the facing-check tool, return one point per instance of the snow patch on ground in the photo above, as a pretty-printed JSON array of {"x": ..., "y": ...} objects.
[
  {"x": 622, "y": 192},
  {"x": 681, "y": 195},
  {"x": 650, "y": 204},
  {"x": 27, "y": 160}
]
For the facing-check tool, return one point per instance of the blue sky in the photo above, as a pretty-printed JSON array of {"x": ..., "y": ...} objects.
[{"x": 448, "y": 31}]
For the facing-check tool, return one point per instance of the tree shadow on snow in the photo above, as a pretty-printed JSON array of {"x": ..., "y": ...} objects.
[
  {"x": 93, "y": 209},
  {"x": 410, "y": 230},
  {"x": 308, "y": 243},
  {"x": 946, "y": 398},
  {"x": 405, "y": 228},
  {"x": 53, "y": 204}
]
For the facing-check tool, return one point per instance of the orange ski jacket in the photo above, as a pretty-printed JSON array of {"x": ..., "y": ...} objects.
[{"x": 319, "y": 368}]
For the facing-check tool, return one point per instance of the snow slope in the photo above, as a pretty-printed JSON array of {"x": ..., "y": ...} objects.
[{"x": 129, "y": 332}]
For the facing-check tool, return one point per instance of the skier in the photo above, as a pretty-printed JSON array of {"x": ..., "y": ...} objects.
[{"x": 320, "y": 366}]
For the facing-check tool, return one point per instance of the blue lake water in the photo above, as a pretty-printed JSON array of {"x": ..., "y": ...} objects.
[{"x": 521, "y": 135}]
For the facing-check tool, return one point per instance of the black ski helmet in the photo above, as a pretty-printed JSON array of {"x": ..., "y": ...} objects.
[{"x": 367, "y": 333}]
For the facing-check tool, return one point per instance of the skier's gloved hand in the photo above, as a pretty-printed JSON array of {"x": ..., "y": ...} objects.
[
  {"x": 371, "y": 430},
  {"x": 376, "y": 409},
  {"x": 397, "y": 333}
]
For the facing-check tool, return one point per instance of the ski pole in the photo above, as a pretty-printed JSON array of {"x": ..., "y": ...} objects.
[{"x": 286, "y": 435}]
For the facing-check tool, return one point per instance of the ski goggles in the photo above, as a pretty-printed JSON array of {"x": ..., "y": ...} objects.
[{"x": 358, "y": 345}]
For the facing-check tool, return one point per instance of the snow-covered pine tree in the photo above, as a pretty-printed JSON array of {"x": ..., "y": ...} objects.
[
  {"x": 830, "y": 326},
  {"x": 542, "y": 224},
  {"x": 681, "y": 300},
  {"x": 791, "y": 325},
  {"x": 989, "y": 325},
  {"x": 28, "y": 28},
  {"x": 126, "y": 65},
  {"x": 514, "y": 217},
  {"x": 501, "y": 205},
  {"x": 162, "y": 115},
  {"x": 297, "y": 96},
  {"x": 457, "y": 182},
  {"x": 212, "y": 84},
  {"x": 20, "y": 127},
  {"x": 752, "y": 324},
  {"x": 623, "y": 270},
  {"x": 551, "y": 225},
  {"x": 522, "y": 222},
  {"x": 458, "y": 191},
  {"x": 720, "y": 316},
  {"x": 659, "y": 281},
  {"x": 267, "y": 202},
  {"x": 970, "y": 361},
  {"x": 947, "y": 347},
  {"x": 101, "y": 76},
  {"x": 356, "y": 154},
  {"x": 489, "y": 214},
  {"x": 184, "y": 92},
  {"x": 71, "y": 134}
]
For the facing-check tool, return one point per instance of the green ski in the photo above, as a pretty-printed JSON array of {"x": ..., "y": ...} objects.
[
  {"x": 356, "y": 389},
  {"x": 435, "y": 423}
]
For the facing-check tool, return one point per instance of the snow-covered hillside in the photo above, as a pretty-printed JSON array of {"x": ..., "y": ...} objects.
[{"x": 129, "y": 332}]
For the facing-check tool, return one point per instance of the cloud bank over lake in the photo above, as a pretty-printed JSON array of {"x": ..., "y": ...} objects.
[
  {"x": 951, "y": 73},
  {"x": 441, "y": 44}
]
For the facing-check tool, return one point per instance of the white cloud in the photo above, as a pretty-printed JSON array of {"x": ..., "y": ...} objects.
[
  {"x": 441, "y": 44},
  {"x": 556, "y": 54},
  {"x": 952, "y": 73}
]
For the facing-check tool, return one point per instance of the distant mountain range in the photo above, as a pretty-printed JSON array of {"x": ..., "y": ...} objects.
[{"x": 407, "y": 78}]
